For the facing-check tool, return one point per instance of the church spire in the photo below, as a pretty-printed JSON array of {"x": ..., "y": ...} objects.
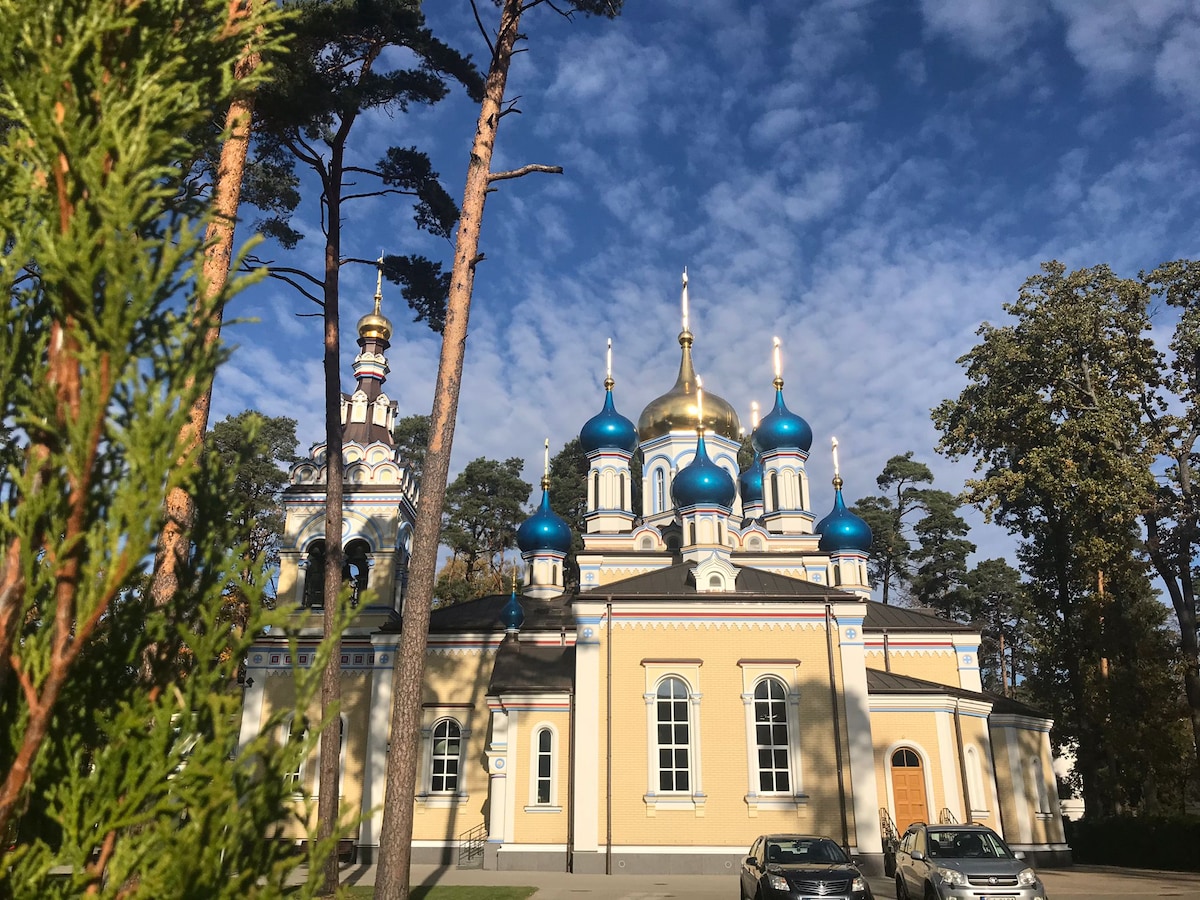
[{"x": 368, "y": 414}]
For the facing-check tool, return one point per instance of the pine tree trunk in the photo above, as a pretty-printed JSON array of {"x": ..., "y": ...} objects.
[
  {"x": 331, "y": 678},
  {"x": 227, "y": 192},
  {"x": 395, "y": 851}
]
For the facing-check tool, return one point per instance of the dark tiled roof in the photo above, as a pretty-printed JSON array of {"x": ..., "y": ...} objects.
[
  {"x": 523, "y": 668},
  {"x": 483, "y": 615},
  {"x": 880, "y": 682},
  {"x": 897, "y": 618},
  {"x": 676, "y": 581}
]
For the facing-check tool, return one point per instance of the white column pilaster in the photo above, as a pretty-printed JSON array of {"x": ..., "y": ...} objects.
[
  {"x": 374, "y": 786},
  {"x": 865, "y": 795}
]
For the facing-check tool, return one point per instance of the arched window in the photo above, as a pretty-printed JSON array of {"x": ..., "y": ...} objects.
[
  {"x": 596, "y": 504},
  {"x": 624, "y": 496},
  {"x": 774, "y": 482},
  {"x": 357, "y": 568},
  {"x": 691, "y": 534},
  {"x": 660, "y": 491},
  {"x": 543, "y": 776},
  {"x": 674, "y": 736},
  {"x": 771, "y": 736},
  {"x": 293, "y": 779},
  {"x": 447, "y": 751},
  {"x": 314, "y": 576}
]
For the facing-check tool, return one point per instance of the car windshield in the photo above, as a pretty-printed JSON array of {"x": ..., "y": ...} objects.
[
  {"x": 797, "y": 851},
  {"x": 950, "y": 844}
]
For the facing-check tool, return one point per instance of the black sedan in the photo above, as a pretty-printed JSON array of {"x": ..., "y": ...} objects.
[{"x": 800, "y": 867}]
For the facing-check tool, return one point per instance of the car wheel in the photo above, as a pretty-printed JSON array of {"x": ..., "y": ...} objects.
[
  {"x": 901, "y": 890},
  {"x": 930, "y": 893}
]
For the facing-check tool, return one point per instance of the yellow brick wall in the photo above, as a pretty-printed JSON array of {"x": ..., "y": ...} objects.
[
  {"x": 940, "y": 666},
  {"x": 280, "y": 694},
  {"x": 541, "y": 827},
  {"x": 725, "y": 819}
]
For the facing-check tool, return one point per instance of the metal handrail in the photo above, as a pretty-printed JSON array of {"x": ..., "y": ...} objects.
[
  {"x": 470, "y": 847},
  {"x": 946, "y": 817}
]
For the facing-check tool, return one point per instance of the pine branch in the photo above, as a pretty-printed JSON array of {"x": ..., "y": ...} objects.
[{"x": 524, "y": 170}]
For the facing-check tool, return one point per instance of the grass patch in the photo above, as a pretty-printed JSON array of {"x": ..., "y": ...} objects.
[{"x": 449, "y": 892}]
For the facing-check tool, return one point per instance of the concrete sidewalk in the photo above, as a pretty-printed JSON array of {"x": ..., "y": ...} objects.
[{"x": 1094, "y": 882}]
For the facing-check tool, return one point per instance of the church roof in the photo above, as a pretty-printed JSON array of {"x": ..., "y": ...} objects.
[
  {"x": 677, "y": 581},
  {"x": 898, "y": 618},
  {"x": 528, "y": 669},
  {"x": 880, "y": 682},
  {"x": 483, "y": 615}
]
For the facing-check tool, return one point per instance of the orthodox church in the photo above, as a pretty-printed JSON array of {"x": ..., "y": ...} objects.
[{"x": 720, "y": 672}]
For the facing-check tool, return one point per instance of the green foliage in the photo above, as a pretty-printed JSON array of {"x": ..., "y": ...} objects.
[
  {"x": 1054, "y": 413},
  {"x": 346, "y": 58},
  {"x": 411, "y": 434},
  {"x": 484, "y": 507},
  {"x": 939, "y": 580},
  {"x": 997, "y": 603},
  {"x": 888, "y": 516},
  {"x": 253, "y": 447},
  {"x": 118, "y": 771}
]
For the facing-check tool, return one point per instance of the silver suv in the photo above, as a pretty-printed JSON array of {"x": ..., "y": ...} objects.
[{"x": 962, "y": 862}]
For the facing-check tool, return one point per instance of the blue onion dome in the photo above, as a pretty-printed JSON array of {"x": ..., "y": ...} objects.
[
  {"x": 545, "y": 529},
  {"x": 512, "y": 616},
  {"x": 782, "y": 428},
  {"x": 750, "y": 483},
  {"x": 702, "y": 481},
  {"x": 608, "y": 429},
  {"x": 676, "y": 409},
  {"x": 842, "y": 529}
]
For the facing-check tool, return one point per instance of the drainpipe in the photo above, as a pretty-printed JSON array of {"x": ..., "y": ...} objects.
[
  {"x": 837, "y": 727},
  {"x": 570, "y": 861},
  {"x": 887, "y": 654},
  {"x": 608, "y": 741}
]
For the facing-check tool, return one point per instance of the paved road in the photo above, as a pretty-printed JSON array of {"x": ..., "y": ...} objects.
[{"x": 1093, "y": 882}]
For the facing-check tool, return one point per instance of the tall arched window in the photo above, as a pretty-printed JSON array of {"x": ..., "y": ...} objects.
[
  {"x": 543, "y": 779},
  {"x": 674, "y": 736},
  {"x": 357, "y": 568},
  {"x": 771, "y": 736},
  {"x": 314, "y": 575},
  {"x": 596, "y": 504},
  {"x": 447, "y": 750},
  {"x": 774, "y": 481},
  {"x": 293, "y": 779},
  {"x": 624, "y": 496},
  {"x": 660, "y": 491}
]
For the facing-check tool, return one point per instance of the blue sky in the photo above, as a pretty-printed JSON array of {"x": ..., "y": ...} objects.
[{"x": 867, "y": 179}]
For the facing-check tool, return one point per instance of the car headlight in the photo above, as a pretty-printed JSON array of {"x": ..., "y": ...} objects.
[
  {"x": 1027, "y": 878},
  {"x": 859, "y": 884},
  {"x": 953, "y": 877},
  {"x": 777, "y": 883}
]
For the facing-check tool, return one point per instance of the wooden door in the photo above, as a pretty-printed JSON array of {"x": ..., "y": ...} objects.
[{"x": 908, "y": 788}]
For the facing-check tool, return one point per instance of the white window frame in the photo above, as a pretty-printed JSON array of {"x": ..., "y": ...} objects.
[
  {"x": 427, "y": 796},
  {"x": 551, "y": 805},
  {"x": 294, "y": 779},
  {"x": 687, "y": 672},
  {"x": 785, "y": 673}
]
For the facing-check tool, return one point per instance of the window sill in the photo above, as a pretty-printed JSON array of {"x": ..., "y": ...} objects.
[
  {"x": 441, "y": 801},
  {"x": 755, "y": 802},
  {"x": 655, "y": 802},
  {"x": 542, "y": 810}
]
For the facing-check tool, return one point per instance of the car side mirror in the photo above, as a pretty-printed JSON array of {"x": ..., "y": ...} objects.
[
  {"x": 917, "y": 855},
  {"x": 751, "y": 861},
  {"x": 1019, "y": 854}
]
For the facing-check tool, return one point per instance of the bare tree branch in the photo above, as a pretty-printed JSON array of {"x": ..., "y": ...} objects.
[
  {"x": 524, "y": 170},
  {"x": 482, "y": 30},
  {"x": 275, "y": 273}
]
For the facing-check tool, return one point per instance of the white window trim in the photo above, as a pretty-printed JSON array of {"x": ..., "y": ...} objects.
[
  {"x": 688, "y": 672},
  {"x": 534, "y": 752},
  {"x": 426, "y": 796},
  {"x": 787, "y": 673},
  {"x": 297, "y": 777}
]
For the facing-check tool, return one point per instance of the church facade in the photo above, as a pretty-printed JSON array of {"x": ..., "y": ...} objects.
[{"x": 721, "y": 671}]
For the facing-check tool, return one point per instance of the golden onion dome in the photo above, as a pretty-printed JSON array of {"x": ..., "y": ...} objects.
[
  {"x": 375, "y": 326},
  {"x": 676, "y": 409}
]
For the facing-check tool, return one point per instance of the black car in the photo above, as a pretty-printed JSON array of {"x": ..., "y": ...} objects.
[{"x": 800, "y": 867}]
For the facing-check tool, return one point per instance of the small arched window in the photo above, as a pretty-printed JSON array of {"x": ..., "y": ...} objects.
[
  {"x": 314, "y": 576},
  {"x": 357, "y": 568},
  {"x": 624, "y": 497},
  {"x": 543, "y": 777},
  {"x": 660, "y": 491}
]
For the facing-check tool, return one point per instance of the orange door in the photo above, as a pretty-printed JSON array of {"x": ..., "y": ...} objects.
[{"x": 908, "y": 788}]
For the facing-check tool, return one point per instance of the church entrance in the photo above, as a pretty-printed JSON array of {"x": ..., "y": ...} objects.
[{"x": 908, "y": 788}]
